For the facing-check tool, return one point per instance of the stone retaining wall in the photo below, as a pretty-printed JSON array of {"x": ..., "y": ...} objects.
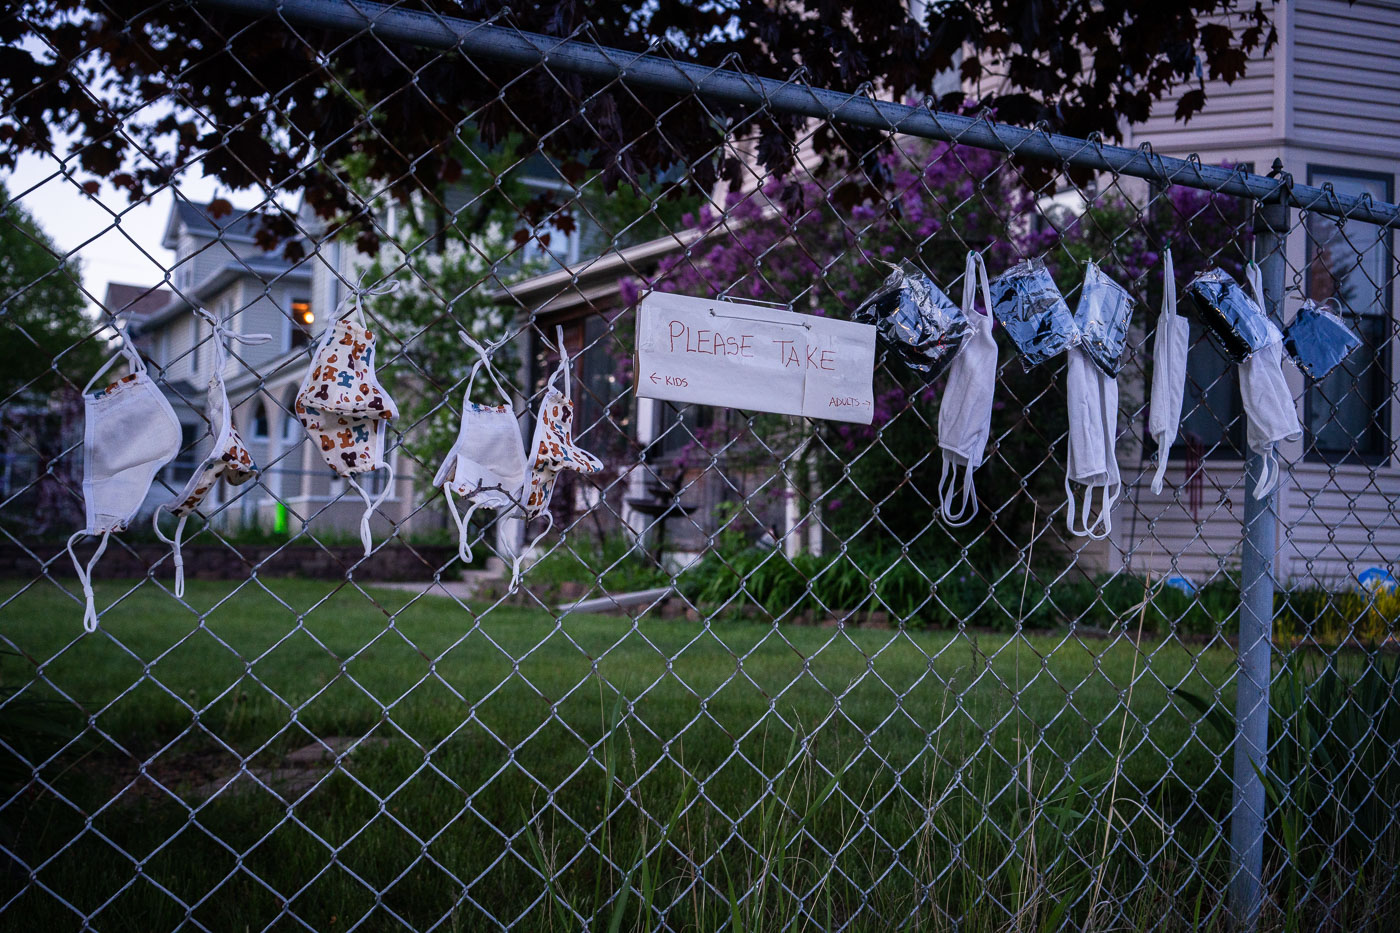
[{"x": 236, "y": 562}]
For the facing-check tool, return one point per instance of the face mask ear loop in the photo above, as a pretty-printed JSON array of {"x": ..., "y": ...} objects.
[
  {"x": 463, "y": 523},
  {"x": 175, "y": 546},
  {"x": 125, "y": 349},
  {"x": 372, "y": 506},
  {"x": 515, "y": 567},
  {"x": 1256, "y": 285},
  {"x": 85, "y": 578},
  {"x": 1268, "y": 475},
  {"x": 947, "y": 492},
  {"x": 485, "y": 361}
]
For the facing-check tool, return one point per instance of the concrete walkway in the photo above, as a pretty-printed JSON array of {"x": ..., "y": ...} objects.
[{"x": 462, "y": 589}]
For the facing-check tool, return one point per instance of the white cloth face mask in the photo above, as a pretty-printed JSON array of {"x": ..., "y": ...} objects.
[
  {"x": 1270, "y": 413},
  {"x": 965, "y": 413},
  {"x": 486, "y": 465},
  {"x": 129, "y": 433},
  {"x": 344, "y": 408},
  {"x": 1093, "y": 437},
  {"x": 1169, "y": 350},
  {"x": 229, "y": 458}
]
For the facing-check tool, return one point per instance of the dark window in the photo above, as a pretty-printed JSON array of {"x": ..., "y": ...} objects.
[
  {"x": 1212, "y": 419},
  {"x": 260, "y": 420},
  {"x": 1346, "y": 413},
  {"x": 188, "y": 459}
]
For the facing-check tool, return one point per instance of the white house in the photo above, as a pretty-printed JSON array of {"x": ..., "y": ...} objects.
[{"x": 1326, "y": 101}]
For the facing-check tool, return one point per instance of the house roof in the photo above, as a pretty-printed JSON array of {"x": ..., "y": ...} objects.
[
  {"x": 237, "y": 224},
  {"x": 265, "y": 270},
  {"x": 592, "y": 279},
  {"x": 138, "y": 301}
]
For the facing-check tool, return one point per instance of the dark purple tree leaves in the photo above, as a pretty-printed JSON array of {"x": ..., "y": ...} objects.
[{"x": 146, "y": 89}]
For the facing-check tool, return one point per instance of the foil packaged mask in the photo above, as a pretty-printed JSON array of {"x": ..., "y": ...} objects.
[
  {"x": 1318, "y": 341},
  {"x": 1027, "y": 303},
  {"x": 1234, "y": 318},
  {"x": 1104, "y": 311},
  {"x": 913, "y": 319}
]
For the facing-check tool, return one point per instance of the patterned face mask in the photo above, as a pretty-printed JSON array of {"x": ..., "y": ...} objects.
[
  {"x": 344, "y": 408},
  {"x": 1235, "y": 319},
  {"x": 1317, "y": 340},
  {"x": 1027, "y": 303},
  {"x": 229, "y": 458},
  {"x": 915, "y": 321},
  {"x": 129, "y": 433},
  {"x": 553, "y": 449}
]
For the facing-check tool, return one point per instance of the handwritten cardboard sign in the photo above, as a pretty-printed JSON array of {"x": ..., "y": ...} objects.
[{"x": 753, "y": 357}]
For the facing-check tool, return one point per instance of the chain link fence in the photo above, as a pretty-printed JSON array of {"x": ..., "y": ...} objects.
[{"x": 750, "y": 680}]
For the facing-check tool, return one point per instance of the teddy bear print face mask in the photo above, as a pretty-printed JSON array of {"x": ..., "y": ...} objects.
[
  {"x": 344, "y": 408},
  {"x": 552, "y": 450},
  {"x": 229, "y": 458}
]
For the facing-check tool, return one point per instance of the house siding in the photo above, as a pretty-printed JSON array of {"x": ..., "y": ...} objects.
[
  {"x": 1346, "y": 77},
  {"x": 1336, "y": 104}
]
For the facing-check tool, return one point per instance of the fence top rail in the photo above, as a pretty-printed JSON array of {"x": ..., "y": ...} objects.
[{"x": 656, "y": 72}]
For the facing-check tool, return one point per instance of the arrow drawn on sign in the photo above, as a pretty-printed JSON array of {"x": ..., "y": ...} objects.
[{"x": 654, "y": 379}]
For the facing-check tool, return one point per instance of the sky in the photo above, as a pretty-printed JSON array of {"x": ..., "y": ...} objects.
[{"x": 113, "y": 240}]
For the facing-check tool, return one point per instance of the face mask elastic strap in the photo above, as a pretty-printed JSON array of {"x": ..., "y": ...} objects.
[
  {"x": 175, "y": 546},
  {"x": 485, "y": 361},
  {"x": 1159, "y": 476},
  {"x": 975, "y": 274},
  {"x": 947, "y": 492},
  {"x": 1269, "y": 474},
  {"x": 222, "y": 336},
  {"x": 356, "y": 299},
  {"x": 564, "y": 367},
  {"x": 125, "y": 349},
  {"x": 1256, "y": 285},
  {"x": 463, "y": 523},
  {"x": 372, "y": 505},
  {"x": 85, "y": 578},
  {"x": 1168, "y": 283},
  {"x": 515, "y": 567}
]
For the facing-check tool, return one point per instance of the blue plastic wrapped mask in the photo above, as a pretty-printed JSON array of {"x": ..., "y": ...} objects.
[
  {"x": 1027, "y": 303},
  {"x": 1234, "y": 318},
  {"x": 1318, "y": 341},
  {"x": 1105, "y": 308},
  {"x": 914, "y": 320}
]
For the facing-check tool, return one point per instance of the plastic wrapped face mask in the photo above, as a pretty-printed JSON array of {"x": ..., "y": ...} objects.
[
  {"x": 1027, "y": 303},
  {"x": 915, "y": 321},
  {"x": 1105, "y": 308},
  {"x": 1318, "y": 341},
  {"x": 1233, "y": 317}
]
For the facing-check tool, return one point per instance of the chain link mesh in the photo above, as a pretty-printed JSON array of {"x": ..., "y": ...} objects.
[{"x": 749, "y": 681}]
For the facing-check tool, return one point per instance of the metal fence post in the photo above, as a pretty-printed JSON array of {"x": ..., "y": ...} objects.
[{"x": 1247, "y": 823}]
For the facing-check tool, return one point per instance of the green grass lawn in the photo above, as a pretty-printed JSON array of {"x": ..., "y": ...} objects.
[{"x": 506, "y": 744}]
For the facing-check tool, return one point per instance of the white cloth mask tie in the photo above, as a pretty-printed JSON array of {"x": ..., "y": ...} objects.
[
  {"x": 1270, "y": 413},
  {"x": 486, "y": 465},
  {"x": 228, "y": 458},
  {"x": 344, "y": 408},
  {"x": 129, "y": 433},
  {"x": 1093, "y": 436},
  {"x": 552, "y": 450},
  {"x": 965, "y": 414},
  {"x": 1169, "y": 350}
]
